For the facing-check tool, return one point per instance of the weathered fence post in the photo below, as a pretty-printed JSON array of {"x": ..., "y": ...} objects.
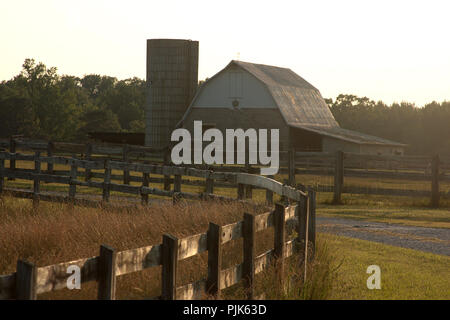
[
  {"x": 2, "y": 175},
  {"x": 107, "y": 273},
  {"x": 107, "y": 181},
  {"x": 12, "y": 160},
  {"x": 169, "y": 267},
  {"x": 302, "y": 208},
  {"x": 166, "y": 176},
  {"x": 72, "y": 185},
  {"x": 209, "y": 183},
  {"x": 435, "y": 181},
  {"x": 126, "y": 173},
  {"x": 145, "y": 182},
  {"x": 177, "y": 183},
  {"x": 26, "y": 281},
  {"x": 312, "y": 220},
  {"x": 36, "y": 181},
  {"x": 87, "y": 171},
  {"x": 338, "y": 176},
  {"x": 214, "y": 259},
  {"x": 248, "y": 187},
  {"x": 291, "y": 167},
  {"x": 269, "y": 194},
  {"x": 248, "y": 270},
  {"x": 240, "y": 191},
  {"x": 279, "y": 238},
  {"x": 50, "y": 154}
]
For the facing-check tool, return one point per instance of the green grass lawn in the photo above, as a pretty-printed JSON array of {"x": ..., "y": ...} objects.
[
  {"x": 422, "y": 217},
  {"x": 405, "y": 273}
]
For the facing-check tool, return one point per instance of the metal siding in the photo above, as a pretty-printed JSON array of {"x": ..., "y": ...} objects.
[{"x": 172, "y": 80}]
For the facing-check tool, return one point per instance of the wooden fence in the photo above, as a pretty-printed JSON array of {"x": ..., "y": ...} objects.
[
  {"x": 433, "y": 171},
  {"x": 339, "y": 165},
  {"x": 29, "y": 281},
  {"x": 244, "y": 181}
]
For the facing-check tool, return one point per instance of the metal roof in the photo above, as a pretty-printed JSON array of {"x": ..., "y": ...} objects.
[
  {"x": 349, "y": 135},
  {"x": 298, "y": 101}
]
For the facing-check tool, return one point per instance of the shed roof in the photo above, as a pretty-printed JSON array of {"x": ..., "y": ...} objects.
[{"x": 349, "y": 135}]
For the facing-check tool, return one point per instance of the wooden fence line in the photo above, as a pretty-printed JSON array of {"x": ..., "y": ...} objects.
[
  {"x": 339, "y": 165},
  {"x": 28, "y": 281},
  {"x": 107, "y": 186}
]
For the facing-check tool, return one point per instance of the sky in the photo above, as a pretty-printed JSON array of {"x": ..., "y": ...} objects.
[{"x": 392, "y": 51}]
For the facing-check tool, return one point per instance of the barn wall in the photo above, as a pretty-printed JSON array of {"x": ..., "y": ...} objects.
[
  {"x": 234, "y": 84},
  {"x": 224, "y": 118},
  {"x": 333, "y": 145},
  {"x": 370, "y": 149}
]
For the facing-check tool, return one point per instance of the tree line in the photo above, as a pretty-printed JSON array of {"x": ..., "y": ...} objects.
[
  {"x": 426, "y": 130},
  {"x": 39, "y": 103}
]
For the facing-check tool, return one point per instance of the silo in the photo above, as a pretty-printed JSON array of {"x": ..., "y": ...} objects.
[{"x": 172, "y": 80}]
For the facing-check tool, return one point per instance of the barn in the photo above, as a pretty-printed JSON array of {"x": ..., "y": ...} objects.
[{"x": 248, "y": 95}]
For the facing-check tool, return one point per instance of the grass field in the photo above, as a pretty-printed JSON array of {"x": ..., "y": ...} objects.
[
  {"x": 405, "y": 273},
  {"x": 56, "y": 234}
]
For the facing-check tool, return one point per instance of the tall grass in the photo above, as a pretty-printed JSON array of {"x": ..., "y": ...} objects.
[{"x": 55, "y": 233}]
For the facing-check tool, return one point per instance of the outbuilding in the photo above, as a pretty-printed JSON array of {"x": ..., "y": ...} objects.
[{"x": 248, "y": 95}]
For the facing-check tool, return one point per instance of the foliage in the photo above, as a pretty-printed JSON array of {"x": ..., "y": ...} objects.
[
  {"x": 39, "y": 103},
  {"x": 425, "y": 130}
]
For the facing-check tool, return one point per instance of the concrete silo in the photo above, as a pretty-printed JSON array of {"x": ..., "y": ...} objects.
[{"x": 172, "y": 80}]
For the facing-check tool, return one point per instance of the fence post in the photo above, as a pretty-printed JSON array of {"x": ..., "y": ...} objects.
[
  {"x": 312, "y": 221},
  {"x": 435, "y": 181},
  {"x": 107, "y": 273},
  {"x": 169, "y": 267},
  {"x": 248, "y": 187},
  {"x": 166, "y": 176},
  {"x": 214, "y": 259},
  {"x": 72, "y": 185},
  {"x": 209, "y": 184},
  {"x": 302, "y": 212},
  {"x": 36, "y": 181},
  {"x": 2, "y": 180},
  {"x": 26, "y": 281},
  {"x": 12, "y": 160},
  {"x": 279, "y": 238},
  {"x": 50, "y": 154},
  {"x": 145, "y": 181},
  {"x": 248, "y": 272},
  {"x": 87, "y": 172},
  {"x": 240, "y": 191},
  {"x": 177, "y": 183},
  {"x": 107, "y": 181},
  {"x": 126, "y": 173},
  {"x": 338, "y": 176},
  {"x": 291, "y": 167}
]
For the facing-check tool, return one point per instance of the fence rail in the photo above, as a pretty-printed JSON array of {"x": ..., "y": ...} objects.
[
  {"x": 338, "y": 165},
  {"x": 29, "y": 281}
]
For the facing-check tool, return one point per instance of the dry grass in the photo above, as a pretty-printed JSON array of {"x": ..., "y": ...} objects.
[{"x": 57, "y": 233}]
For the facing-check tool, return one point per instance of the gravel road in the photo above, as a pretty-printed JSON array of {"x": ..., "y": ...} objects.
[{"x": 434, "y": 240}]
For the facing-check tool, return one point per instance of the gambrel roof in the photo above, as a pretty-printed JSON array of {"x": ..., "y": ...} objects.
[{"x": 300, "y": 103}]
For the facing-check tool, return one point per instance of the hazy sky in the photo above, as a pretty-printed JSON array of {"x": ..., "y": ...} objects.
[{"x": 386, "y": 50}]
